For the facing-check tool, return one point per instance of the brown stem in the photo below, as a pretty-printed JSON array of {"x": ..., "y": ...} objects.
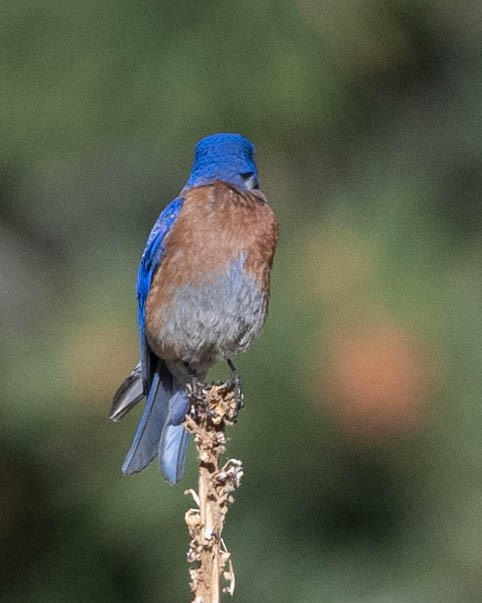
[{"x": 212, "y": 408}]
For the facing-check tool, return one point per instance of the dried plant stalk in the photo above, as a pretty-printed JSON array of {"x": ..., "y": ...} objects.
[{"x": 212, "y": 407}]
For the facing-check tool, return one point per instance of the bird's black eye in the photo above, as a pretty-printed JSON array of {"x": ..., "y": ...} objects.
[{"x": 250, "y": 180}]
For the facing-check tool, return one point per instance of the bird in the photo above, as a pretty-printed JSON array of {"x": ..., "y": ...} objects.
[{"x": 203, "y": 286}]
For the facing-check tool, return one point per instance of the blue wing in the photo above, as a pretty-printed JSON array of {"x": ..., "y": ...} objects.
[
  {"x": 150, "y": 261},
  {"x": 138, "y": 383},
  {"x": 165, "y": 397}
]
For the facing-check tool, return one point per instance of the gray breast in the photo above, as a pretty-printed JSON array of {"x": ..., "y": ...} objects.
[{"x": 214, "y": 321}]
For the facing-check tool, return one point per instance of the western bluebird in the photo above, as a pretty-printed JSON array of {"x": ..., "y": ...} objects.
[{"x": 202, "y": 294}]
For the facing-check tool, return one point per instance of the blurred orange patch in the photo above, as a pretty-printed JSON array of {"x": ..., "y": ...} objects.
[{"x": 377, "y": 383}]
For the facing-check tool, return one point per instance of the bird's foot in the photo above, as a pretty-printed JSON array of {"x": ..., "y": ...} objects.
[
  {"x": 197, "y": 397},
  {"x": 235, "y": 385},
  {"x": 216, "y": 402}
]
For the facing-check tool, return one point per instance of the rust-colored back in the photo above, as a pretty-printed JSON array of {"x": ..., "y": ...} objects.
[{"x": 217, "y": 224}]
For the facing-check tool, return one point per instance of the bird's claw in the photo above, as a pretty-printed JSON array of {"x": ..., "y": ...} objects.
[
  {"x": 234, "y": 385},
  {"x": 197, "y": 397}
]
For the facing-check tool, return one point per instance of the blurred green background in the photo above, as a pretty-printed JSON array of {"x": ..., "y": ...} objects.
[{"x": 361, "y": 435}]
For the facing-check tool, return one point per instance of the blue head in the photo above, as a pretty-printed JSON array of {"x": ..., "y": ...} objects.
[{"x": 225, "y": 157}]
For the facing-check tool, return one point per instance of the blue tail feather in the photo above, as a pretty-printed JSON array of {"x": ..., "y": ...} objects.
[
  {"x": 145, "y": 444},
  {"x": 174, "y": 439},
  {"x": 172, "y": 452},
  {"x": 160, "y": 430}
]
